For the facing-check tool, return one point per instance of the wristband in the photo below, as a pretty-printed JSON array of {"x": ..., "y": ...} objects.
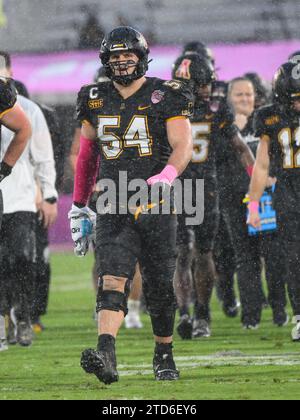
[
  {"x": 253, "y": 207},
  {"x": 250, "y": 170},
  {"x": 170, "y": 172},
  {"x": 168, "y": 176}
]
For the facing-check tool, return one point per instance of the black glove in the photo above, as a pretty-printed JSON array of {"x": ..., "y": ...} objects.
[{"x": 5, "y": 170}]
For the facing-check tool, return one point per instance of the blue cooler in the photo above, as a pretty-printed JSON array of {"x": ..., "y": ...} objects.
[{"x": 267, "y": 215}]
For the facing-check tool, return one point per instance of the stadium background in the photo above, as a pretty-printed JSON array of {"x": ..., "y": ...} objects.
[{"x": 52, "y": 58}]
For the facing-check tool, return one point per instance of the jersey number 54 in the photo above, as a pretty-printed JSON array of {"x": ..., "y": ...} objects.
[{"x": 136, "y": 135}]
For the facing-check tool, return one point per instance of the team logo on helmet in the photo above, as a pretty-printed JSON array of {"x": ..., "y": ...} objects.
[
  {"x": 119, "y": 47},
  {"x": 183, "y": 71}
]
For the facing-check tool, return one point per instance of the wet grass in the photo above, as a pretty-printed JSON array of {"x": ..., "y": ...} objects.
[{"x": 50, "y": 369}]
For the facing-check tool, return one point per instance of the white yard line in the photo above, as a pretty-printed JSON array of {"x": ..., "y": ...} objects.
[{"x": 194, "y": 362}]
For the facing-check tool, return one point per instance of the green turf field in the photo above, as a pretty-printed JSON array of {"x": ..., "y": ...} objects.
[{"x": 234, "y": 364}]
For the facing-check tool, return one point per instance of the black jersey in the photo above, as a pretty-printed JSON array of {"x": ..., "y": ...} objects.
[
  {"x": 212, "y": 130},
  {"x": 132, "y": 132},
  {"x": 8, "y": 95},
  {"x": 283, "y": 129}
]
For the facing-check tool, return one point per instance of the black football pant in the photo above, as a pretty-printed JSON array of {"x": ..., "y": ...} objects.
[
  {"x": 276, "y": 271},
  {"x": 289, "y": 229},
  {"x": 225, "y": 266},
  {"x": 1, "y": 208},
  {"x": 17, "y": 264},
  {"x": 43, "y": 273},
  {"x": 122, "y": 242},
  {"x": 247, "y": 258},
  {"x": 271, "y": 249}
]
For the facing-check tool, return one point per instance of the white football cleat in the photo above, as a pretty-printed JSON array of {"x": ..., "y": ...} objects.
[
  {"x": 133, "y": 321},
  {"x": 3, "y": 341},
  {"x": 3, "y": 345},
  {"x": 296, "y": 330}
]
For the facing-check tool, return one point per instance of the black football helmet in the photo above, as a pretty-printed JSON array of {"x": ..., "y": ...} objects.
[
  {"x": 286, "y": 84},
  {"x": 295, "y": 57},
  {"x": 100, "y": 75},
  {"x": 194, "y": 69},
  {"x": 126, "y": 39},
  {"x": 197, "y": 47}
]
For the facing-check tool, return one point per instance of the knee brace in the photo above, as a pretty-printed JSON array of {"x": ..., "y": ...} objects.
[{"x": 111, "y": 300}]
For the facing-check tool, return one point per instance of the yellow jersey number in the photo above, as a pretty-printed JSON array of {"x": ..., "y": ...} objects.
[{"x": 201, "y": 133}]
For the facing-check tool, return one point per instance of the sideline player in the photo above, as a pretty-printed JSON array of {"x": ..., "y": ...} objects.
[
  {"x": 13, "y": 117},
  {"x": 211, "y": 129},
  {"x": 277, "y": 126}
]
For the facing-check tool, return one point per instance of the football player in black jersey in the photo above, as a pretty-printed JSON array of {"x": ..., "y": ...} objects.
[
  {"x": 42, "y": 277},
  {"x": 139, "y": 126},
  {"x": 278, "y": 127},
  {"x": 14, "y": 118},
  {"x": 210, "y": 126},
  {"x": 132, "y": 320},
  {"x": 250, "y": 248}
]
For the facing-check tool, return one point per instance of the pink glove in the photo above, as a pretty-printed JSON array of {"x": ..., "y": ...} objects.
[{"x": 167, "y": 176}]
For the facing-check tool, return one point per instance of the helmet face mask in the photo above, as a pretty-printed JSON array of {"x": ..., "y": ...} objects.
[
  {"x": 123, "y": 41},
  {"x": 203, "y": 91},
  {"x": 123, "y": 70},
  {"x": 295, "y": 105}
]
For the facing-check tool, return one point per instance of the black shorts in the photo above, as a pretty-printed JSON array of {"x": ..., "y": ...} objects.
[
  {"x": 121, "y": 243},
  {"x": 203, "y": 235},
  {"x": 18, "y": 236}
]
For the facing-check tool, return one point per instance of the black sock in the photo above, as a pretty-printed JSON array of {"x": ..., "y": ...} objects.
[
  {"x": 106, "y": 342},
  {"x": 163, "y": 348},
  {"x": 202, "y": 312},
  {"x": 184, "y": 311}
]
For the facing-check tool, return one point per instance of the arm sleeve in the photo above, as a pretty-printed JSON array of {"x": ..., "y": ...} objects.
[
  {"x": 41, "y": 152},
  {"x": 86, "y": 170}
]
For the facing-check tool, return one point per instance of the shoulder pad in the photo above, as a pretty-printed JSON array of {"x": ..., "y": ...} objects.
[
  {"x": 174, "y": 84},
  {"x": 8, "y": 94},
  {"x": 176, "y": 88},
  {"x": 269, "y": 115}
]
